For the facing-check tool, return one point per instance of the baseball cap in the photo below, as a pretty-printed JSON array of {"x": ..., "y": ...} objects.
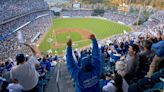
[
  {"x": 158, "y": 48},
  {"x": 86, "y": 63}
]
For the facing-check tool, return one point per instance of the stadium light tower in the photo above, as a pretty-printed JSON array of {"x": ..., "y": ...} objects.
[
  {"x": 139, "y": 15},
  {"x": 129, "y": 2},
  {"x": 144, "y": 4}
]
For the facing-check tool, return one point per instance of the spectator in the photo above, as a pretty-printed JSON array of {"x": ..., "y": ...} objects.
[
  {"x": 10, "y": 44},
  {"x": 40, "y": 70},
  {"x": 159, "y": 34},
  {"x": 145, "y": 58},
  {"x": 25, "y": 72},
  {"x": 147, "y": 50},
  {"x": 87, "y": 76},
  {"x": 162, "y": 37},
  {"x": 4, "y": 86},
  {"x": 158, "y": 48},
  {"x": 117, "y": 84},
  {"x": 45, "y": 63},
  {"x": 15, "y": 87},
  {"x": 120, "y": 67},
  {"x": 158, "y": 59},
  {"x": 132, "y": 61}
]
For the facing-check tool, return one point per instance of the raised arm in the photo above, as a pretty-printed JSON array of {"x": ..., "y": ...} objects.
[
  {"x": 95, "y": 52},
  {"x": 71, "y": 65},
  {"x": 32, "y": 49}
]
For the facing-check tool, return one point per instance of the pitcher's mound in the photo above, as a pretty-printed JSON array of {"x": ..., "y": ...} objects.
[
  {"x": 83, "y": 32},
  {"x": 56, "y": 45}
]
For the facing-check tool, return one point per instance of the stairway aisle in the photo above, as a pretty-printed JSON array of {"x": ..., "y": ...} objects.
[
  {"x": 65, "y": 83},
  {"x": 51, "y": 86}
]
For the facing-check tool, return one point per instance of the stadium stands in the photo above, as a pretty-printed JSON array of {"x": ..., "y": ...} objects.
[
  {"x": 30, "y": 17},
  {"x": 126, "y": 19},
  {"x": 13, "y": 8},
  {"x": 9, "y": 37},
  {"x": 109, "y": 60},
  {"x": 33, "y": 18},
  {"x": 73, "y": 13},
  {"x": 148, "y": 31}
]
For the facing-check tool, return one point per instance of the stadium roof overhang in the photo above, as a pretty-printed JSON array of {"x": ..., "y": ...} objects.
[{"x": 55, "y": 9}]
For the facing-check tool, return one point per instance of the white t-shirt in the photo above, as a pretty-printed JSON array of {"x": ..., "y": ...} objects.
[
  {"x": 53, "y": 63},
  {"x": 12, "y": 87},
  {"x": 111, "y": 88},
  {"x": 33, "y": 60},
  {"x": 120, "y": 67},
  {"x": 26, "y": 74}
]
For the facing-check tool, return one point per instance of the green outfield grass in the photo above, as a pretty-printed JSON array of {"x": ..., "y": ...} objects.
[
  {"x": 62, "y": 38},
  {"x": 101, "y": 28}
]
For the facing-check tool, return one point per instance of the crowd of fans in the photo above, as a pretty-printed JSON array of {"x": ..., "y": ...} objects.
[
  {"x": 13, "y": 25},
  {"x": 12, "y": 8},
  {"x": 154, "y": 21},
  {"x": 159, "y": 16},
  {"x": 130, "y": 62},
  {"x": 126, "y": 19},
  {"x": 126, "y": 60},
  {"x": 10, "y": 44},
  {"x": 14, "y": 17},
  {"x": 134, "y": 60},
  {"x": 30, "y": 18},
  {"x": 73, "y": 13},
  {"x": 13, "y": 77}
]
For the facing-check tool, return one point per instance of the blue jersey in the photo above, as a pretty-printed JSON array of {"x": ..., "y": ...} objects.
[
  {"x": 85, "y": 81},
  {"x": 46, "y": 65},
  {"x": 159, "y": 48}
]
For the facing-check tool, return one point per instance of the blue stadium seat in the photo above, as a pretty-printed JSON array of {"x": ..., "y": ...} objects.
[
  {"x": 101, "y": 83},
  {"x": 134, "y": 88},
  {"x": 162, "y": 72},
  {"x": 158, "y": 86},
  {"x": 155, "y": 77},
  {"x": 145, "y": 83}
]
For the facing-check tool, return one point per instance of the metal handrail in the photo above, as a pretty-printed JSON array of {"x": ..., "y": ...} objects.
[{"x": 58, "y": 76}]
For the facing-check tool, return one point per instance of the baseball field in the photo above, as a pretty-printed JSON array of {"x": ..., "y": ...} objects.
[{"x": 78, "y": 29}]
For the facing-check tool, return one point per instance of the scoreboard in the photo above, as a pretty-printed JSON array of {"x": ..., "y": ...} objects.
[{"x": 76, "y": 6}]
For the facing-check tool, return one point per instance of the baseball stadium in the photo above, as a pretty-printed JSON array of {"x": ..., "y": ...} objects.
[
  {"x": 81, "y": 45},
  {"x": 79, "y": 30}
]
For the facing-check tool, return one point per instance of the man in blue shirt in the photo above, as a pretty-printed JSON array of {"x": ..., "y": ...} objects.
[
  {"x": 158, "y": 48},
  {"x": 88, "y": 74}
]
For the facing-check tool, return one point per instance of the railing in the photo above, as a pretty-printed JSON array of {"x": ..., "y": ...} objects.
[{"x": 58, "y": 76}]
